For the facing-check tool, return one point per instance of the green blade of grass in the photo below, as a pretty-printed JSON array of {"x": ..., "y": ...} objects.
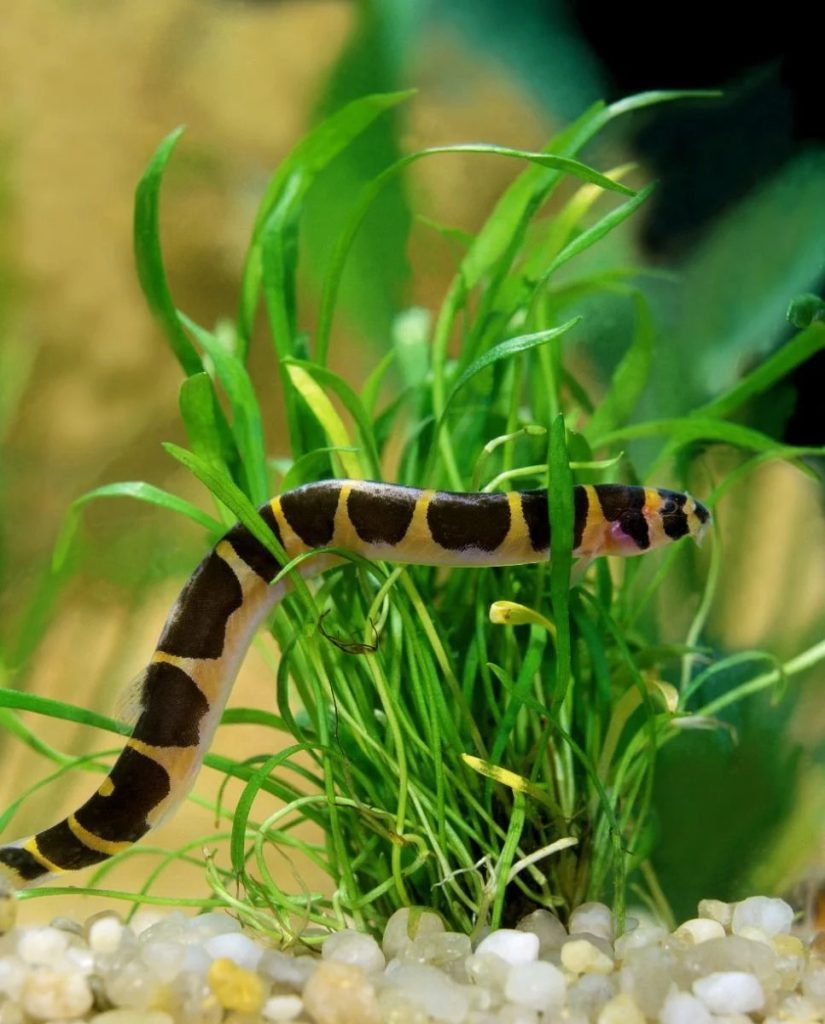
[
  {"x": 292, "y": 179},
  {"x": 793, "y": 353},
  {"x": 560, "y": 506},
  {"x": 630, "y": 377},
  {"x": 504, "y": 350},
  {"x": 149, "y": 257},
  {"x": 206, "y": 427},
  {"x": 353, "y": 405},
  {"x": 247, "y": 426},
  {"x": 139, "y": 491}
]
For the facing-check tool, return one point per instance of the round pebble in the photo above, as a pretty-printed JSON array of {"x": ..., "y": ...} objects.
[
  {"x": 683, "y": 1008},
  {"x": 700, "y": 929},
  {"x": 339, "y": 993},
  {"x": 430, "y": 991},
  {"x": 730, "y": 992},
  {"x": 49, "y": 994},
  {"x": 584, "y": 956},
  {"x": 407, "y": 924},
  {"x": 278, "y": 1008},
  {"x": 621, "y": 1009},
  {"x": 513, "y": 946},
  {"x": 351, "y": 947},
  {"x": 594, "y": 919},
  {"x": 235, "y": 988},
  {"x": 538, "y": 986},
  {"x": 770, "y": 916}
]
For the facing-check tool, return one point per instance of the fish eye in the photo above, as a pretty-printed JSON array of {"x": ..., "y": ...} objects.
[{"x": 668, "y": 507}]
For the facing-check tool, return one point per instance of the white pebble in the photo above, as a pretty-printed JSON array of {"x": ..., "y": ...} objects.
[
  {"x": 771, "y": 916},
  {"x": 813, "y": 984},
  {"x": 700, "y": 929},
  {"x": 174, "y": 926},
  {"x": 12, "y": 972},
  {"x": 42, "y": 946},
  {"x": 646, "y": 975},
  {"x": 48, "y": 994},
  {"x": 285, "y": 970},
  {"x": 337, "y": 993},
  {"x": 548, "y": 927},
  {"x": 538, "y": 986},
  {"x": 405, "y": 925},
  {"x": 204, "y": 926},
  {"x": 644, "y": 935},
  {"x": 593, "y": 918},
  {"x": 105, "y": 934},
  {"x": 730, "y": 992},
  {"x": 716, "y": 910},
  {"x": 438, "y": 949},
  {"x": 584, "y": 956},
  {"x": 488, "y": 970},
  {"x": 351, "y": 947},
  {"x": 513, "y": 946},
  {"x": 236, "y": 947},
  {"x": 431, "y": 991},
  {"x": 132, "y": 985},
  {"x": 589, "y": 995},
  {"x": 733, "y": 953},
  {"x": 281, "y": 1008},
  {"x": 683, "y": 1008},
  {"x": 164, "y": 958}
]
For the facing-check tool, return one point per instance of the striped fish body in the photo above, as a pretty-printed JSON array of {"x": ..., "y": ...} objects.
[{"x": 224, "y": 601}]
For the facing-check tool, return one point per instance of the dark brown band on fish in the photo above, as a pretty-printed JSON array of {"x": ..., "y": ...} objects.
[
  {"x": 196, "y": 628},
  {"x": 173, "y": 706},
  {"x": 381, "y": 517},
  {"x": 461, "y": 521},
  {"x": 24, "y": 864},
  {"x": 248, "y": 548},
  {"x": 140, "y": 784},
  {"x": 310, "y": 511},
  {"x": 61, "y": 847},
  {"x": 536, "y": 515}
]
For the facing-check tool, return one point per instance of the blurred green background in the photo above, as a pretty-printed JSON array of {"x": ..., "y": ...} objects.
[{"x": 88, "y": 388}]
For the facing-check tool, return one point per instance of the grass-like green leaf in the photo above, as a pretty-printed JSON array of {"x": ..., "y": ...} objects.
[
  {"x": 149, "y": 257},
  {"x": 247, "y": 426},
  {"x": 137, "y": 490},
  {"x": 289, "y": 184}
]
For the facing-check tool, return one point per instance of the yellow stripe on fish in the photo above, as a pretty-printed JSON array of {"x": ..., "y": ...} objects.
[{"x": 213, "y": 620}]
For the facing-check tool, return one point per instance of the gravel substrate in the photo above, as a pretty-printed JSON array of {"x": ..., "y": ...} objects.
[{"x": 731, "y": 964}]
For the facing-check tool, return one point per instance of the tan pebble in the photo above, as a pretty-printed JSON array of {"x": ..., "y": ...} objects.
[
  {"x": 339, "y": 993},
  {"x": 282, "y": 1007},
  {"x": 700, "y": 929},
  {"x": 123, "y": 1016},
  {"x": 48, "y": 994},
  {"x": 754, "y": 934},
  {"x": 621, "y": 1009},
  {"x": 716, "y": 910},
  {"x": 235, "y": 988},
  {"x": 584, "y": 957}
]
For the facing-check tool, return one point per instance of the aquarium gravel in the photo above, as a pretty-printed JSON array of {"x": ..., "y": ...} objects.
[{"x": 731, "y": 964}]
